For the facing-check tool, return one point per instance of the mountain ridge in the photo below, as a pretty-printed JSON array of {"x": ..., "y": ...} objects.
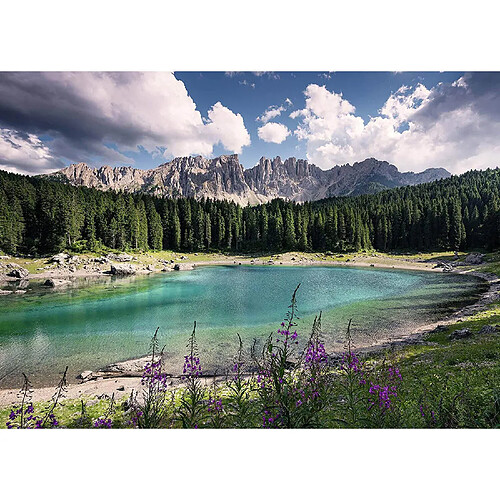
[{"x": 225, "y": 178}]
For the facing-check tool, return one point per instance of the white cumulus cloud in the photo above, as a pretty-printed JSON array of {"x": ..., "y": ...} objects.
[
  {"x": 274, "y": 111},
  {"x": 25, "y": 153},
  {"x": 455, "y": 126},
  {"x": 273, "y": 132},
  {"x": 228, "y": 128},
  {"x": 86, "y": 112}
]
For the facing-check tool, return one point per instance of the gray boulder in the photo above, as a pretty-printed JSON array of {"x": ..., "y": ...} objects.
[
  {"x": 59, "y": 258},
  {"x": 101, "y": 260},
  {"x": 123, "y": 269},
  {"x": 474, "y": 258},
  {"x": 488, "y": 330},
  {"x": 460, "y": 334},
  {"x": 55, "y": 283},
  {"x": 85, "y": 375},
  {"x": 123, "y": 257},
  {"x": 19, "y": 273},
  {"x": 23, "y": 284},
  {"x": 183, "y": 267}
]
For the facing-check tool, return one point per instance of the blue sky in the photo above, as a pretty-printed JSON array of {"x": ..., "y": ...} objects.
[
  {"x": 250, "y": 94},
  {"x": 413, "y": 120}
]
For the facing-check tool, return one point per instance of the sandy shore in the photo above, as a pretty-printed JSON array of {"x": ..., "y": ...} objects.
[{"x": 122, "y": 378}]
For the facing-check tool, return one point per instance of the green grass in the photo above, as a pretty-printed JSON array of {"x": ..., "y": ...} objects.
[{"x": 68, "y": 412}]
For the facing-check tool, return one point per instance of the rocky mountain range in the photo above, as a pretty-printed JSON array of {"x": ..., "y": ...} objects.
[{"x": 224, "y": 178}]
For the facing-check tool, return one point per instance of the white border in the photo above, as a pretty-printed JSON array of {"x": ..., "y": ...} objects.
[{"x": 257, "y": 35}]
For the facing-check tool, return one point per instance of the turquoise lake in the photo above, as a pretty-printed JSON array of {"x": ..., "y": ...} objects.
[{"x": 101, "y": 321}]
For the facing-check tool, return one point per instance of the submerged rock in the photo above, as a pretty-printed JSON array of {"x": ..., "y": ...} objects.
[{"x": 123, "y": 269}]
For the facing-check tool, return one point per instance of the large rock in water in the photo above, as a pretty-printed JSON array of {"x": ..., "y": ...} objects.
[
  {"x": 123, "y": 269},
  {"x": 19, "y": 273}
]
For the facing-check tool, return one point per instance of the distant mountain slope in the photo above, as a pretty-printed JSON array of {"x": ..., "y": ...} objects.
[{"x": 224, "y": 178}]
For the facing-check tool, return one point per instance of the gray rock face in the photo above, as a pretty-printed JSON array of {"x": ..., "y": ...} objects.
[
  {"x": 224, "y": 178},
  {"x": 123, "y": 269}
]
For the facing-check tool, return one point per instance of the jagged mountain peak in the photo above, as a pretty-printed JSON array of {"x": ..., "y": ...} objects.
[{"x": 224, "y": 177}]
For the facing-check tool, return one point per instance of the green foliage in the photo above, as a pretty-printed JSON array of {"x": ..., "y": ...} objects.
[{"x": 41, "y": 216}]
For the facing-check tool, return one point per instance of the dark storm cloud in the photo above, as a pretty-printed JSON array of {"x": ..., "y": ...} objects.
[
  {"x": 477, "y": 91},
  {"x": 103, "y": 116},
  {"x": 58, "y": 104},
  {"x": 25, "y": 153}
]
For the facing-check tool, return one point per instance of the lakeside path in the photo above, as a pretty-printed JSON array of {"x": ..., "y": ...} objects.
[{"x": 122, "y": 378}]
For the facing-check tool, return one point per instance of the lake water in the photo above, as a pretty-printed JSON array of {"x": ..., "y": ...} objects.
[{"x": 107, "y": 320}]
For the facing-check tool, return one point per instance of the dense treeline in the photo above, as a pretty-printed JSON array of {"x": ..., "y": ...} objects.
[{"x": 39, "y": 216}]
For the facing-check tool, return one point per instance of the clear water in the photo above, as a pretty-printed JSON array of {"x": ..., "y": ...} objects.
[{"x": 108, "y": 320}]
